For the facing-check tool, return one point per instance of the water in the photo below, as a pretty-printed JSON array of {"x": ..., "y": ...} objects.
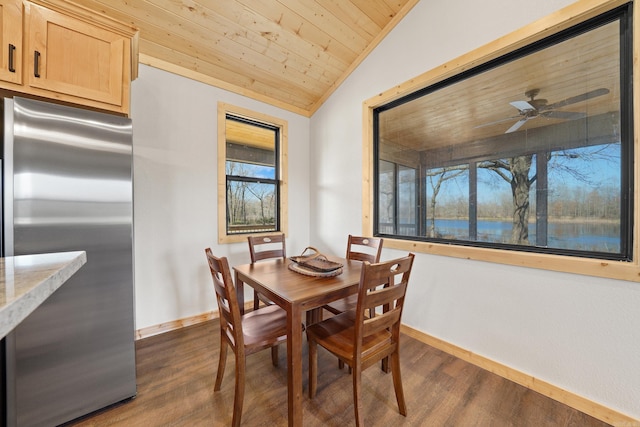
[{"x": 590, "y": 236}]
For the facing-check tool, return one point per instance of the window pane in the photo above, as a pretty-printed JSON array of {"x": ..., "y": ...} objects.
[
  {"x": 495, "y": 204},
  {"x": 505, "y": 217},
  {"x": 251, "y": 206},
  {"x": 447, "y": 191},
  {"x": 584, "y": 198},
  {"x": 407, "y": 201},
  {"x": 386, "y": 198}
]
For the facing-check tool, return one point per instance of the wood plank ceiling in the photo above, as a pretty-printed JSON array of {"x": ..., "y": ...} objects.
[
  {"x": 289, "y": 53},
  {"x": 579, "y": 76}
]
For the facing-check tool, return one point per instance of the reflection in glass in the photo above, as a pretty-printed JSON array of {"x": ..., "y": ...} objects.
[{"x": 447, "y": 191}]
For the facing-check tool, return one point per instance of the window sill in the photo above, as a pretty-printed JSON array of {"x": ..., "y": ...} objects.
[{"x": 585, "y": 266}]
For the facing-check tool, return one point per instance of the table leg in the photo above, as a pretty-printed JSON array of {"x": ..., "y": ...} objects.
[
  {"x": 240, "y": 293},
  {"x": 294, "y": 363}
]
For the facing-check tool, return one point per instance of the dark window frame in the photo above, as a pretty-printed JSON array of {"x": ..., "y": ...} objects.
[
  {"x": 625, "y": 15},
  {"x": 276, "y": 181}
]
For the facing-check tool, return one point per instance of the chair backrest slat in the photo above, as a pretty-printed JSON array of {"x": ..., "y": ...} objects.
[
  {"x": 364, "y": 248},
  {"x": 265, "y": 247},
  {"x": 381, "y": 296},
  {"x": 276, "y": 253}
]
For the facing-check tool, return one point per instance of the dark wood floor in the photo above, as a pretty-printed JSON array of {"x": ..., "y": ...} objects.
[{"x": 176, "y": 372}]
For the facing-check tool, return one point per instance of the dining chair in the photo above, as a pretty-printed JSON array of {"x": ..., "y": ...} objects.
[
  {"x": 359, "y": 249},
  {"x": 360, "y": 340},
  {"x": 245, "y": 334},
  {"x": 265, "y": 247}
]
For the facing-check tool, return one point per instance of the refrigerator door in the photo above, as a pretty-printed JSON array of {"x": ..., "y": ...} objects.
[{"x": 68, "y": 179}]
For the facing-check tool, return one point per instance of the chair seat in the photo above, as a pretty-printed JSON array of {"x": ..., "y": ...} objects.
[
  {"x": 338, "y": 334},
  {"x": 263, "y": 327},
  {"x": 342, "y": 305}
]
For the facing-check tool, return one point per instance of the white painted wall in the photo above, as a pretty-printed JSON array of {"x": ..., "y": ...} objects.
[
  {"x": 577, "y": 332},
  {"x": 175, "y": 193}
]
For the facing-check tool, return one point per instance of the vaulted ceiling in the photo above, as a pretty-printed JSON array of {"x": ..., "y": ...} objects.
[{"x": 289, "y": 53}]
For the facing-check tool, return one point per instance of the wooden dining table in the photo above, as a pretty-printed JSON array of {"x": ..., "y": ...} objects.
[{"x": 296, "y": 293}]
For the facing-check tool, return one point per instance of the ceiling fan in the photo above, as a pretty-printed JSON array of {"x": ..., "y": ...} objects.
[{"x": 533, "y": 108}]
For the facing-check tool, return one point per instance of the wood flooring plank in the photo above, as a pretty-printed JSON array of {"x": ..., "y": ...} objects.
[{"x": 176, "y": 372}]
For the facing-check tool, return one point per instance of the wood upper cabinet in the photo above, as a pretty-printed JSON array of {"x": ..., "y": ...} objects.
[
  {"x": 62, "y": 51},
  {"x": 73, "y": 57},
  {"x": 11, "y": 12}
]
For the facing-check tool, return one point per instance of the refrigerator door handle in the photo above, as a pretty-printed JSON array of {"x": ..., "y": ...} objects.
[{"x": 7, "y": 180}]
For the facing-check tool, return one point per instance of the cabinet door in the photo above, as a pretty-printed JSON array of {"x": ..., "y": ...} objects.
[
  {"x": 73, "y": 57},
  {"x": 11, "y": 41}
]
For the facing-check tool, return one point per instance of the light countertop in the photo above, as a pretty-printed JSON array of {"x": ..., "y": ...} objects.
[{"x": 27, "y": 280}]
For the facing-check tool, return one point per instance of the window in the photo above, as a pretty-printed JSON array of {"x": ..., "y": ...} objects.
[
  {"x": 397, "y": 199},
  {"x": 251, "y": 170},
  {"x": 527, "y": 149}
]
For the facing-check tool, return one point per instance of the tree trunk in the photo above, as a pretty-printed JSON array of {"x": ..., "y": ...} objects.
[
  {"x": 432, "y": 226},
  {"x": 520, "y": 185}
]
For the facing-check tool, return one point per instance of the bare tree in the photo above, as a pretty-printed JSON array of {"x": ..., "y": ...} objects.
[
  {"x": 236, "y": 195},
  {"x": 265, "y": 196},
  {"x": 435, "y": 178},
  {"x": 515, "y": 171}
]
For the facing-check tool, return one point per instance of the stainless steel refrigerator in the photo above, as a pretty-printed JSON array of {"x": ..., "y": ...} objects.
[{"x": 67, "y": 186}]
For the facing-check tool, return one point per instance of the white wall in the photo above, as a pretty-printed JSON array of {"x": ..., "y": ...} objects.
[
  {"x": 577, "y": 332},
  {"x": 175, "y": 192}
]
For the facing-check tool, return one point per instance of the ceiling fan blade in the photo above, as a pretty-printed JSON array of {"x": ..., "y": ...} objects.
[
  {"x": 523, "y": 106},
  {"x": 508, "y": 119},
  {"x": 577, "y": 98},
  {"x": 565, "y": 115},
  {"x": 517, "y": 125}
]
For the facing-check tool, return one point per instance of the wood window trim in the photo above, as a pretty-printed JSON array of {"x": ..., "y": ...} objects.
[
  {"x": 223, "y": 110},
  {"x": 563, "y": 19}
]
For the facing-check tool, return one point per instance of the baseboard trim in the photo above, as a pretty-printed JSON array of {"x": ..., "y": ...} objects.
[
  {"x": 174, "y": 324},
  {"x": 181, "y": 323},
  {"x": 573, "y": 400}
]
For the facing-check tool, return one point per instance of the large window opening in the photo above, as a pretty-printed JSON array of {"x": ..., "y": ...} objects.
[{"x": 530, "y": 152}]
